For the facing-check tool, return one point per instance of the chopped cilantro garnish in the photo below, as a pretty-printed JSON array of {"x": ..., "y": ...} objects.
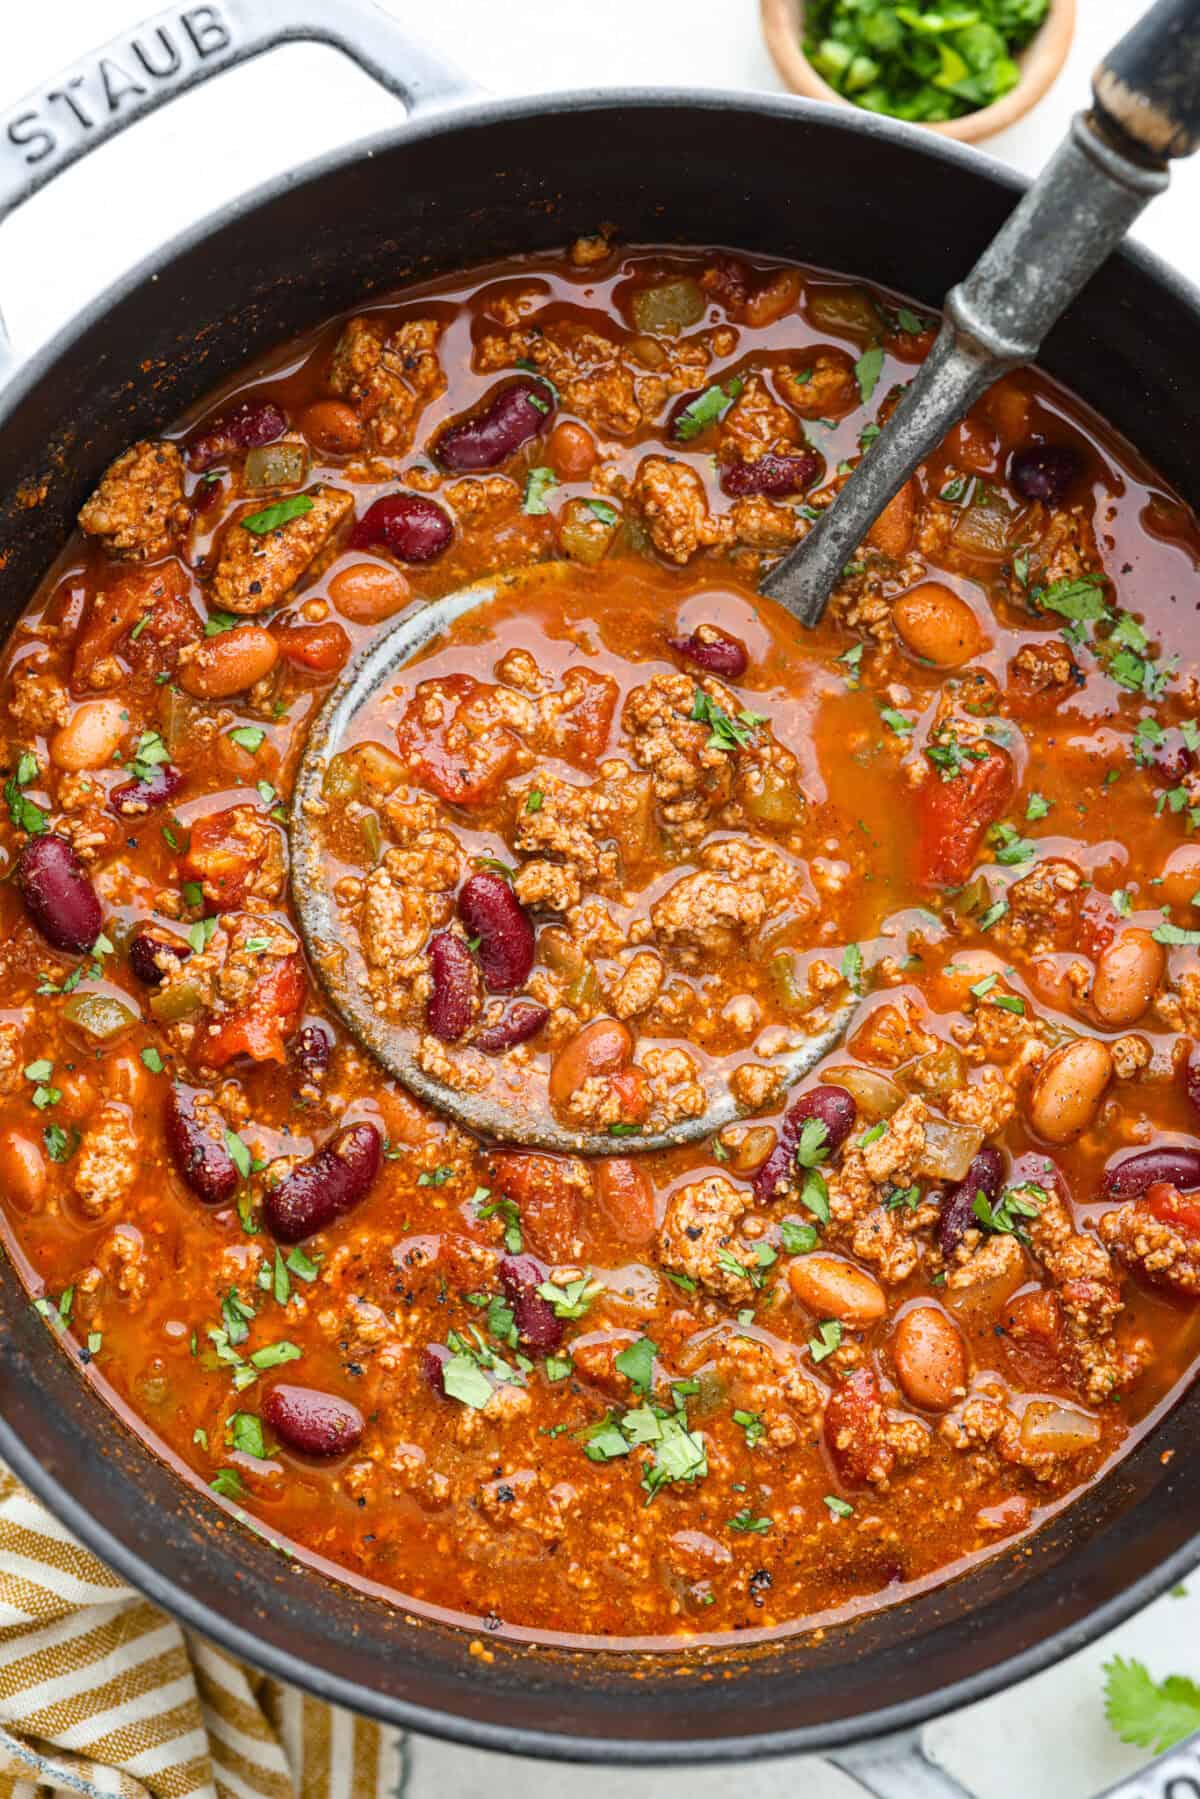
[
  {"x": 705, "y": 410},
  {"x": 827, "y": 1340},
  {"x": 282, "y": 512},
  {"x": 538, "y": 483},
  {"x": 746, "y": 1523},
  {"x": 637, "y": 1363},
  {"x": 867, "y": 371}
]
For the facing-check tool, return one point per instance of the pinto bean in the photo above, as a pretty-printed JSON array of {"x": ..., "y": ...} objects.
[
  {"x": 520, "y": 410},
  {"x": 930, "y": 1358},
  {"x": 713, "y": 650},
  {"x": 521, "y": 1021},
  {"x": 90, "y": 736},
  {"x": 936, "y": 625},
  {"x": 146, "y": 948},
  {"x": 1181, "y": 875},
  {"x": 834, "y": 1288},
  {"x": 366, "y": 592},
  {"x": 958, "y": 1203},
  {"x": 332, "y": 426},
  {"x": 413, "y": 528},
  {"x": 229, "y": 663},
  {"x": 310, "y": 1422},
  {"x": 22, "y": 1171},
  {"x": 1129, "y": 1178},
  {"x": 203, "y": 1164},
  {"x": 325, "y": 1187},
  {"x": 571, "y": 451},
  {"x": 451, "y": 1004},
  {"x": 1068, "y": 1089},
  {"x": 134, "y": 798},
  {"x": 58, "y": 893},
  {"x": 491, "y": 911},
  {"x": 1128, "y": 975},
  {"x": 626, "y": 1199},
  {"x": 602, "y": 1047},
  {"x": 892, "y": 531},
  {"x": 831, "y": 1106},
  {"x": 537, "y": 1325}
]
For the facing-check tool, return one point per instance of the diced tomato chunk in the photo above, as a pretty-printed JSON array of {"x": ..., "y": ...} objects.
[
  {"x": 1032, "y": 1324},
  {"x": 855, "y": 1432},
  {"x": 547, "y": 1191},
  {"x": 224, "y": 852},
  {"x": 155, "y": 597},
  {"x": 584, "y": 724},
  {"x": 1180, "y": 1210},
  {"x": 953, "y": 817},
  {"x": 454, "y": 740},
  {"x": 259, "y": 1029}
]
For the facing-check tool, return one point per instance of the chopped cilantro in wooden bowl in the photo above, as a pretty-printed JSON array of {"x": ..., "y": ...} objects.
[{"x": 963, "y": 67}]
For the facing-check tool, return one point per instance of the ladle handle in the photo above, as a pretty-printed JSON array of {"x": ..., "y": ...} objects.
[
  {"x": 1076, "y": 213},
  {"x": 1147, "y": 88}
]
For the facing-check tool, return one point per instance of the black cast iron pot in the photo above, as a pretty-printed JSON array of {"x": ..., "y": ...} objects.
[{"x": 464, "y": 180}]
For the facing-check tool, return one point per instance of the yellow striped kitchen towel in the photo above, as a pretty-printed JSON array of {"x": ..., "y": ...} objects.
[{"x": 102, "y": 1694}]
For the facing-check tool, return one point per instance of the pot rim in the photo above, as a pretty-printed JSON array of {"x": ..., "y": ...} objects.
[{"x": 208, "y": 1619}]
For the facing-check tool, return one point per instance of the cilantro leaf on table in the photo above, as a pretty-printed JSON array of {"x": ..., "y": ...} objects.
[{"x": 1153, "y": 1714}]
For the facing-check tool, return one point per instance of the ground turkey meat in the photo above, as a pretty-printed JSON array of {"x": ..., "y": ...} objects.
[
  {"x": 258, "y": 570},
  {"x": 138, "y": 510},
  {"x": 670, "y": 496},
  {"x": 697, "y": 1238},
  {"x": 1156, "y": 1247},
  {"x": 692, "y": 780},
  {"x": 705, "y": 915},
  {"x": 38, "y": 703},
  {"x": 388, "y": 376},
  {"x": 403, "y": 901},
  {"x": 1084, "y": 1279},
  {"x": 821, "y": 386},
  {"x": 106, "y": 1164}
]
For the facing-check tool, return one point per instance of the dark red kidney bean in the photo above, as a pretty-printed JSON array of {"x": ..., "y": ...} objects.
[
  {"x": 1045, "y": 472},
  {"x": 252, "y": 423},
  {"x": 1174, "y": 1162},
  {"x": 958, "y": 1203},
  {"x": 325, "y": 1187},
  {"x": 434, "y": 1357},
  {"x": 537, "y": 1326},
  {"x": 521, "y": 410},
  {"x": 715, "y": 652},
  {"x": 145, "y": 949},
  {"x": 523, "y": 1020},
  {"x": 413, "y": 528},
  {"x": 310, "y": 1051},
  {"x": 774, "y": 476},
  {"x": 311, "y": 1422},
  {"x": 132, "y": 798},
  {"x": 58, "y": 894},
  {"x": 204, "y": 1166},
  {"x": 451, "y": 1003},
  {"x": 491, "y": 911},
  {"x": 834, "y": 1108}
]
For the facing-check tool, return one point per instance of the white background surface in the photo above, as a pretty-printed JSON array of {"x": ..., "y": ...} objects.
[{"x": 1047, "y": 1739}]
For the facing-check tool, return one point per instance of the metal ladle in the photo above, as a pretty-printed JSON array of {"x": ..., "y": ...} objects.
[{"x": 1112, "y": 163}]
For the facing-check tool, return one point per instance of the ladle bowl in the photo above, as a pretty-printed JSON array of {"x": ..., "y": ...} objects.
[{"x": 340, "y": 966}]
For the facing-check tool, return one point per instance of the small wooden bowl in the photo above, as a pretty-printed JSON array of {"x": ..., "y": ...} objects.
[{"x": 1039, "y": 62}]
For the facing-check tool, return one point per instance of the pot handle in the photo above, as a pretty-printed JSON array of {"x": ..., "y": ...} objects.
[
  {"x": 144, "y": 68},
  {"x": 897, "y": 1767}
]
